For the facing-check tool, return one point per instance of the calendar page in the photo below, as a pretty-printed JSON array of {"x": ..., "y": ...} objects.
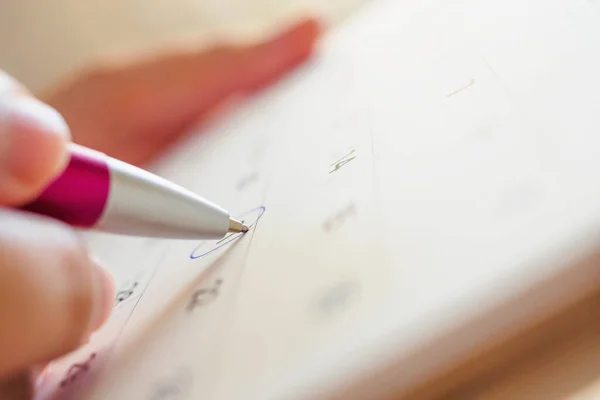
[{"x": 427, "y": 184}]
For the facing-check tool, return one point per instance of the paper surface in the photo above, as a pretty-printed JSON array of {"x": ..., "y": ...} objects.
[{"x": 433, "y": 161}]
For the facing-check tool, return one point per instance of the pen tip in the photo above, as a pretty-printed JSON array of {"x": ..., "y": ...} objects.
[{"x": 236, "y": 226}]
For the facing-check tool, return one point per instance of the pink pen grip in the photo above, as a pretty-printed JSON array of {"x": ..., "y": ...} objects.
[{"x": 79, "y": 195}]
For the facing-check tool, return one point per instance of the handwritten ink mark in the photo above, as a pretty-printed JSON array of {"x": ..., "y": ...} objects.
[
  {"x": 76, "y": 370},
  {"x": 203, "y": 297},
  {"x": 259, "y": 211},
  {"x": 125, "y": 293},
  {"x": 342, "y": 161},
  {"x": 338, "y": 219},
  {"x": 471, "y": 83}
]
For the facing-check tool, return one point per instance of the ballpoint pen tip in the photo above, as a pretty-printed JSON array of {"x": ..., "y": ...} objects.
[{"x": 237, "y": 226}]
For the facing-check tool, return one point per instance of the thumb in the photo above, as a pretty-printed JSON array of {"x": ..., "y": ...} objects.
[
  {"x": 52, "y": 295},
  {"x": 32, "y": 144}
]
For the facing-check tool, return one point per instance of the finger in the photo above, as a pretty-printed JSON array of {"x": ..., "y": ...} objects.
[
  {"x": 19, "y": 385},
  {"x": 32, "y": 144},
  {"x": 52, "y": 295},
  {"x": 176, "y": 91},
  {"x": 139, "y": 110},
  {"x": 234, "y": 70},
  {"x": 255, "y": 66}
]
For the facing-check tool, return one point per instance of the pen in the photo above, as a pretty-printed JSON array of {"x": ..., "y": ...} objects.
[{"x": 101, "y": 193}]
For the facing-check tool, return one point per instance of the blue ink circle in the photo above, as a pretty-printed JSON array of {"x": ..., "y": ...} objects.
[{"x": 261, "y": 210}]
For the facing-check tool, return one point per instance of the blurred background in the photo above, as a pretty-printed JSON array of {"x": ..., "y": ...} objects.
[{"x": 44, "y": 41}]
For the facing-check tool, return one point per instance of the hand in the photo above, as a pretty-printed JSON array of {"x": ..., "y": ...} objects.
[
  {"x": 52, "y": 294},
  {"x": 135, "y": 111}
]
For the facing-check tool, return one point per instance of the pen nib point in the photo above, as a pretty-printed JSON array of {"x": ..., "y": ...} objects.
[{"x": 236, "y": 226}]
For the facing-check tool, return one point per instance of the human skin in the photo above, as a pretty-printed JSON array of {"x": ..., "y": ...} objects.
[{"x": 53, "y": 295}]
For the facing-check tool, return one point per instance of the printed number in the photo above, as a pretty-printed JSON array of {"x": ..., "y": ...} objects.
[
  {"x": 167, "y": 391},
  {"x": 125, "y": 293},
  {"x": 246, "y": 180},
  {"x": 174, "y": 387},
  {"x": 205, "y": 296},
  {"x": 337, "y": 298}
]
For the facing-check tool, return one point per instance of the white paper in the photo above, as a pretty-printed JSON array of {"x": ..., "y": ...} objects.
[{"x": 434, "y": 160}]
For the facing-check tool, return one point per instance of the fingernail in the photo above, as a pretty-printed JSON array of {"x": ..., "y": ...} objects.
[
  {"x": 305, "y": 32},
  {"x": 104, "y": 294},
  {"x": 29, "y": 110}
]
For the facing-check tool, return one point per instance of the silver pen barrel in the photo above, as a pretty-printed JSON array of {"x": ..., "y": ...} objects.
[{"x": 143, "y": 204}]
